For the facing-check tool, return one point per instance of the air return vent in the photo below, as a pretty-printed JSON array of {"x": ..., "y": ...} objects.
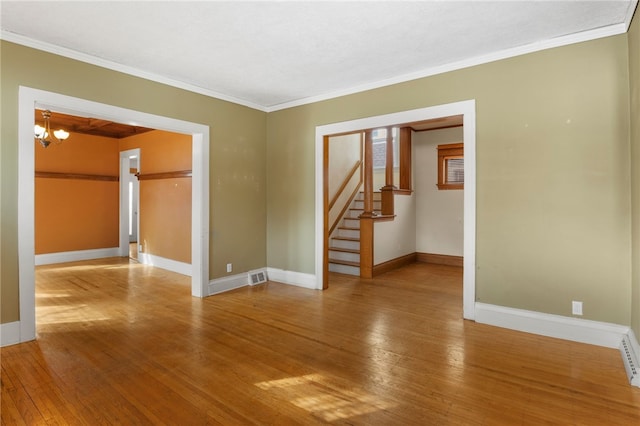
[
  {"x": 630, "y": 360},
  {"x": 257, "y": 277}
]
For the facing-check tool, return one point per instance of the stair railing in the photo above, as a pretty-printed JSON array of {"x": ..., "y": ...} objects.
[
  {"x": 368, "y": 215},
  {"x": 357, "y": 167}
]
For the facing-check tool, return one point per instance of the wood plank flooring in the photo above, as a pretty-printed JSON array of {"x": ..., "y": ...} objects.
[{"x": 122, "y": 343}]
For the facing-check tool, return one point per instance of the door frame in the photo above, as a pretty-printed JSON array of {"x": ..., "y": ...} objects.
[
  {"x": 30, "y": 99},
  {"x": 465, "y": 108},
  {"x": 125, "y": 178}
]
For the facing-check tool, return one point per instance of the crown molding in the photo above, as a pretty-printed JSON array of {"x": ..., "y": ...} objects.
[
  {"x": 104, "y": 63},
  {"x": 467, "y": 63},
  {"x": 607, "y": 31}
]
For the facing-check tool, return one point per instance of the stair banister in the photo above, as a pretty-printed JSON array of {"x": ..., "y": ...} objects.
[
  {"x": 357, "y": 167},
  {"x": 387, "y": 190},
  {"x": 367, "y": 217},
  {"x": 368, "y": 175}
]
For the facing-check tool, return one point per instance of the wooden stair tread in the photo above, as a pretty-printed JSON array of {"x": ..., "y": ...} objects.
[
  {"x": 345, "y": 250},
  {"x": 344, "y": 262},
  {"x": 346, "y": 238},
  {"x": 348, "y": 228}
]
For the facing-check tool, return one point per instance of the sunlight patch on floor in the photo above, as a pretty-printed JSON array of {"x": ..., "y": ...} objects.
[
  {"x": 325, "y": 398},
  {"x": 70, "y": 314}
]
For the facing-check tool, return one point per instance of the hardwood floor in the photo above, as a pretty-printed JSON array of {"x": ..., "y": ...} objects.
[{"x": 122, "y": 343}]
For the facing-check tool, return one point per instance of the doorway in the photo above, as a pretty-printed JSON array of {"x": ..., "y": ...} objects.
[
  {"x": 30, "y": 99},
  {"x": 464, "y": 108},
  {"x": 129, "y": 201}
]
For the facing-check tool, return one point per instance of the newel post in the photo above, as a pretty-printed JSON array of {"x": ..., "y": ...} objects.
[
  {"x": 366, "y": 218},
  {"x": 387, "y": 190}
]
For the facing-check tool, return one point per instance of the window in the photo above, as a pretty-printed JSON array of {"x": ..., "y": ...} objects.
[
  {"x": 451, "y": 166},
  {"x": 379, "y": 139}
]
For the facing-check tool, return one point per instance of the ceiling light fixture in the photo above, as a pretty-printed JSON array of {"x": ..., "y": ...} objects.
[{"x": 44, "y": 134}]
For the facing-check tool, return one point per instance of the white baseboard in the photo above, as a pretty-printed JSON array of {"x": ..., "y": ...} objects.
[
  {"x": 568, "y": 328},
  {"x": 630, "y": 351},
  {"x": 220, "y": 285},
  {"x": 634, "y": 343},
  {"x": 293, "y": 278},
  {"x": 75, "y": 256},
  {"x": 10, "y": 333},
  {"x": 164, "y": 263}
]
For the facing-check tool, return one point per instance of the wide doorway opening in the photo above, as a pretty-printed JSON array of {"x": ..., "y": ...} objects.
[
  {"x": 465, "y": 109},
  {"x": 30, "y": 99}
]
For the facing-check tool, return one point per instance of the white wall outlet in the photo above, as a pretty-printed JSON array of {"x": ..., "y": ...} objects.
[
  {"x": 229, "y": 267},
  {"x": 576, "y": 308}
]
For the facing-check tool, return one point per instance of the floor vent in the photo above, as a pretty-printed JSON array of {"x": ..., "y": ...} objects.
[
  {"x": 258, "y": 277},
  {"x": 630, "y": 361}
]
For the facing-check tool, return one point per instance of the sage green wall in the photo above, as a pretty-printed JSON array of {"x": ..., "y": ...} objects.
[
  {"x": 634, "y": 90},
  {"x": 237, "y": 152},
  {"x": 553, "y": 175}
]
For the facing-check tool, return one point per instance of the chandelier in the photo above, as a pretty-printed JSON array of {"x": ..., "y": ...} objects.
[{"x": 44, "y": 134}]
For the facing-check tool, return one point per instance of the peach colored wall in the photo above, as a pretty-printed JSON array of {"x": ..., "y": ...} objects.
[
  {"x": 72, "y": 214},
  {"x": 165, "y": 204}
]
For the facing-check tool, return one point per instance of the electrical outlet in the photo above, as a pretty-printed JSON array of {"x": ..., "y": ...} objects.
[
  {"x": 576, "y": 308},
  {"x": 229, "y": 267}
]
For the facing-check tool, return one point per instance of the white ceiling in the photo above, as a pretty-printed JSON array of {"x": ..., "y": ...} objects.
[{"x": 271, "y": 55}]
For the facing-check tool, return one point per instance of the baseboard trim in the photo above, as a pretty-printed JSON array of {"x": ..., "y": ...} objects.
[
  {"x": 573, "y": 329},
  {"x": 440, "y": 259},
  {"x": 392, "y": 264},
  {"x": 10, "y": 333},
  {"x": 298, "y": 279},
  {"x": 221, "y": 285},
  {"x": 75, "y": 256},
  {"x": 164, "y": 263},
  {"x": 630, "y": 350}
]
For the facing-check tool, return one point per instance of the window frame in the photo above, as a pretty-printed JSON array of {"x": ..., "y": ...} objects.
[{"x": 447, "y": 152}]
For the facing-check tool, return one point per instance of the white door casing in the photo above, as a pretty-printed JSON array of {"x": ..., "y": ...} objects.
[
  {"x": 30, "y": 99},
  {"x": 465, "y": 108},
  {"x": 126, "y": 179}
]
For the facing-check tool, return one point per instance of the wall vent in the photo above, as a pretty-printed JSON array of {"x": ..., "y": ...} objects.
[
  {"x": 258, "y": 277},
  {"x": 630, "y": 361}
]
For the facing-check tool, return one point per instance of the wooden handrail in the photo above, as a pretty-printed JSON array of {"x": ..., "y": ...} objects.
[
  {"x": 345, "y": 208},
  {"x": 345, "y": 183},
  {"x": 164, "y": 175},
  {"x": 79, "y": 176}
]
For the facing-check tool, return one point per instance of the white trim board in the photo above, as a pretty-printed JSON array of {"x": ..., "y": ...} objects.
[
  {"x": 76, "y": 255},
  {"x": 232, "y": 282},
  {"x": 164, "y": 263},
  {"x": 629, "y": 350},
  {"x": 221, "y": 285},
  {"x": 298, "y": 279},
  {"x": 30, "y": 99},
  {"x": 567, "y": 328},
  {"x": 466, "y": 63},
  {"x": 10, "y": 333},
  {"x": 465, "y": 108}
]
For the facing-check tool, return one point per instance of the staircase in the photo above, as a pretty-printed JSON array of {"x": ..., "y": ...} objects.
[{"x": 344, "y": 243}]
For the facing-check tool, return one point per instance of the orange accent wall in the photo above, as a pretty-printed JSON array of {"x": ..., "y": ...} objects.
[
  {"x": 72, "y": 214},
  {"x": 165, "y": 218},
  {"x": 75, "y": 215},
  {"x": 160, "y": 151},
  {"x": 165, "y": 204}
]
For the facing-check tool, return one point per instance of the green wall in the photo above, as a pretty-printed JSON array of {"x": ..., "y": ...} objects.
[
  {"x": 634, "y": 90},
  {"x": 553, "y": 175},
  {"x": 237, "y": 152},
  {"x": 554, "y": 211}
]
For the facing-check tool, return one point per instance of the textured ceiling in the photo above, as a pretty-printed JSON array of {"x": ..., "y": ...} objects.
[{"x": 270, "y": 55}]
